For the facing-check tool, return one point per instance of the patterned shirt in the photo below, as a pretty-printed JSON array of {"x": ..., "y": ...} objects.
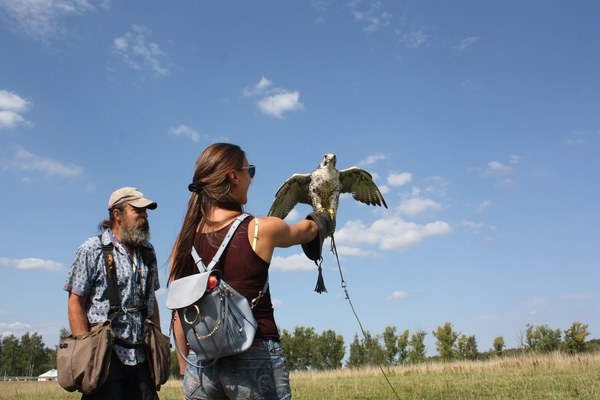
[{"x": 87, "y": 278}]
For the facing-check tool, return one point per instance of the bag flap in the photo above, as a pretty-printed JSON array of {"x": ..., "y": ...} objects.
[{"x": 187, "y": 290}]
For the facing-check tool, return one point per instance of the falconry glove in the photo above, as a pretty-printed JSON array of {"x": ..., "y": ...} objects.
[{"x": 314, "y": 248}]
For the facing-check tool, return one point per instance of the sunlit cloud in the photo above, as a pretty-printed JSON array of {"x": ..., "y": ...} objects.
[
  {"x": 280, "y": 103},
  {"x": 31, "y": 263},
  {"x": 467, "y": 42},
  {"x": 11, "y": 108},
  {"x": 139, "y": 53},
  {"x": 44, "y": 20},
  {"x": 295, "y": 262},
  {"x": 397, "y": 180},
  {"x": 14, "y": 326},
  {"x": 415, "y": 206},
  {"x": 372, "y": 159},
  {"x": 258, "y": 88},
  {"x": 273, "y": 101},
  {"x": 186, "y": 132},
  {"x": 24, "y": 160},
  {"x": 390, "y": 233},
  {"x": 397, "y": 295},
  {"x": 484, "y": 205}
]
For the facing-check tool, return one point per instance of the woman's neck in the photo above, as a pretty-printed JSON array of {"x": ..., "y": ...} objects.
[{"x": 219, "y": 217}]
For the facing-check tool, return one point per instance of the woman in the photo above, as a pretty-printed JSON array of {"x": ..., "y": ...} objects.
[{"x": 220, "y": 189}]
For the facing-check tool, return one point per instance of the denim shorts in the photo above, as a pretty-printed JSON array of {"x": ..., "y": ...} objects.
[{"x": 261, "y": 372}]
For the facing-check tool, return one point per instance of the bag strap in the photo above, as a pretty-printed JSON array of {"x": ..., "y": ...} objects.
[
  {"x": 219, "y": 253},
  {"x": 111, "y": 278},
  {"x": 217, "y": 256},
  {"x": 148, "y": 258}
]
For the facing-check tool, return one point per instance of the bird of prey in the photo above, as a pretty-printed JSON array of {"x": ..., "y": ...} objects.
[{"x": 321, "y": 189}]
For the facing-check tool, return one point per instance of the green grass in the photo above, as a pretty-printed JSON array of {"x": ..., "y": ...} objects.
[{"x": 555, "y": 376}]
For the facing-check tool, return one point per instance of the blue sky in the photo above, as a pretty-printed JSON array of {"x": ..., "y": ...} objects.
[{"x": 479, "y": 121}]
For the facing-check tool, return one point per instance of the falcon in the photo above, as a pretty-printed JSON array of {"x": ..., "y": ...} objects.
[{"x": 321, "y": 189}]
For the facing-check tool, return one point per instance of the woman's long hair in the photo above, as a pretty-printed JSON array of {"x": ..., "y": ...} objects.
[{"x": 211, "y": 188}]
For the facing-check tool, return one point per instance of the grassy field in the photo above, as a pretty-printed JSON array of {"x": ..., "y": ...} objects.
[{"x": 555, "y": 376}]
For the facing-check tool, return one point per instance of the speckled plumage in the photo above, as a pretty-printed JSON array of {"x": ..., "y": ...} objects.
[{"x": 321, "y": 189}]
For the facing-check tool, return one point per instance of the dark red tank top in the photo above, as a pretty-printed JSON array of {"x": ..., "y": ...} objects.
[{"x": 245, "y": 271}]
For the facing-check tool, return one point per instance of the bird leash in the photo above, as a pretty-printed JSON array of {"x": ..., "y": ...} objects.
[{"x": 345, "y": 288}]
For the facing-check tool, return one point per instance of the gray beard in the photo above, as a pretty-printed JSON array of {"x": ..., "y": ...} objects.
[{"x": 135, "y": 235}]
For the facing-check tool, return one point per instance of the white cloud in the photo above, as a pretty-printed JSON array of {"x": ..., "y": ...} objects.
[
  {"x": 185, "y": 131},
  {"x": 15, "y": 326},
  {"x": 42, "y": 20},
  {"x": 280, "y": 103},
  {"x": 31, "y": 263},
  {"x": 390, "y": 233},
  {"x": 10, "y": 119},
  {"x": 484, "y": 205},
  {"x": 372, "y": 159},
  {"x": 399, "y": 294},
  {"x": 139, "y": 53},
  {"x": 415, "y": 206},
  {"x": 415, "y": 38},
  {"x": 497, "y": 167},
  {"x": 476, "y": 227},
  {"x": 12, "y": 102},
  {"x": 397, "y": 180},
  {"x": 259, "y": 88},
  {"x": 24, "y": 160},
  {"x": 352, "y": 251},
  {"x": 11, "y": 107},
  {"x": 373, "y": 17},
  {"x": 467, "y": 42},
  {"x": 274, "y": 101},
  {"x": 296, "y": 262}
]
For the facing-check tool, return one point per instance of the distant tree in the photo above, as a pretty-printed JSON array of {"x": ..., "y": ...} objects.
[
  {"x": 416, "y": 352},
  {"x": 64, "y": 333},
  {"x": 328, "y": 351},
  {"x": 574, "y": 340},
  {"x": 446, "y": 341},
  {"x": 174, "y": 370},
  {"x": 375, "y": 351},
  {"x": 467, "y": 347},
  {"x": 35, "y": 355},
  {"x": 403, "y": 347},
  {"x": 298, "y": 347},
  {"x": 358, "y": 354},
  {"x": 498, "y": 346},
  {"x": 542, "y": 339},
  {"x": 10, "y": 359},
  {"x": 390, "y": 341}
]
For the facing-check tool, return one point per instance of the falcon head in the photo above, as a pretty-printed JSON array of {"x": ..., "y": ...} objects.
[{"x": 328, "y": 161}]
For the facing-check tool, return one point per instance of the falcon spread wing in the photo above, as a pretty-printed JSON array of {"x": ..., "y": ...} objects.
[
  {"x": 293, "y": 191},
  {"x": 321, "y": 189},
  {"x": 360, "y": 183}
]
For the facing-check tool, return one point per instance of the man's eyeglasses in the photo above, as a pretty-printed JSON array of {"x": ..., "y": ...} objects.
[{"x": 251, "y": 170}]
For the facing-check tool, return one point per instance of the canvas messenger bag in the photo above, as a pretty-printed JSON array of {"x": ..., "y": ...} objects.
[{"x": 83, "y": 361}]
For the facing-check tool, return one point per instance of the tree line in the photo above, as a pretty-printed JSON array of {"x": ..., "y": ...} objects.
[{"x": 306, "y": 349}]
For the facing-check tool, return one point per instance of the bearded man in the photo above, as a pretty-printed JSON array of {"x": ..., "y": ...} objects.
[{"x": 127, "y": 233}]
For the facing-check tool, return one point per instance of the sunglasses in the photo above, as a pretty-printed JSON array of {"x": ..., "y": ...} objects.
[{"x": 251, "y": 170}]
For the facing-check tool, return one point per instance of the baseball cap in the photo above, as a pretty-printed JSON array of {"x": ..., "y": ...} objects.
[{"x": 132, "y": 196}]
